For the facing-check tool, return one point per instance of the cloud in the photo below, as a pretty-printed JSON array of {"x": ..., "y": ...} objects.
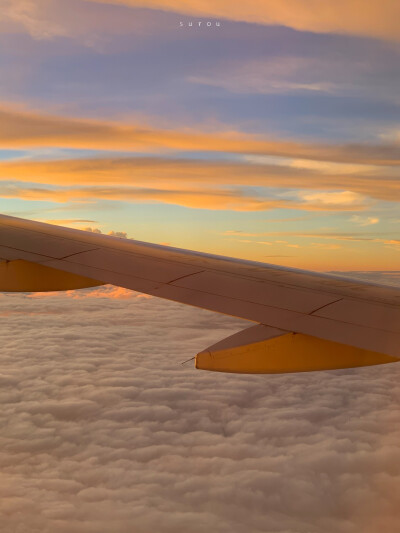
[
  {"x": 322, "y": 71},
  {"x": 349, "y": 237},
  {"x": 90, "y": 24},
  {"x": 322, "y": 234},
  {"x": 49, "y": 19},
  {"x": 329, "y": 168},
  {"x": 364, "y": 221},
  {"x": 29, "y": 16},
  {"x": 376, "y": 19},
  {"x": 393, "y": 243},
  {"x": 102, "y": 428},
  {"x": 67, "y": 221},
  {"x": 340, "y": 198},
  {"x": 25, "y": 129},
  {"x": 201, "y": 198},
  {"x": 325, "y": 246},
  {"x": 214, "y": 199},
  {"x": 269, "y": 76},
  {"x": 175, "y": 174},
  {"x": 240, "y": 233},
  {"x": 105, "y": 291},
  {"x": 291, "y": 219},
  {"x": 120, "y": 234}
]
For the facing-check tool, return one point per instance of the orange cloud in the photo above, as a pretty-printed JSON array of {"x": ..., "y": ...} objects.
[
  {"x": 105, "y": 291},
  {"x": 371, "y": 18},
  {"x": 201, "y": 198},
  {"x": 351, "y": 237},
  {"x": 325, "y": 246},
  {"x": 342, "y": 198},
  {"x": 22, "y": 129},
  {"x": 172, "y": 174}
]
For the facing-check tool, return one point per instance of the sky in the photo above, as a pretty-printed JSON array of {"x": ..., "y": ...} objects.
[
  {"x": 260, "y": 130},
  {"x": 103, "y": 429}
]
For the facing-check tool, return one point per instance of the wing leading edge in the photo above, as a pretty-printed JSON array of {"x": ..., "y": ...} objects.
[{"x": 307, "y": 320}]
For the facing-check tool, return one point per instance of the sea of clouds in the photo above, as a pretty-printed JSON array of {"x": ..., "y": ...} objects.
[{"x": 103, "y": 430}]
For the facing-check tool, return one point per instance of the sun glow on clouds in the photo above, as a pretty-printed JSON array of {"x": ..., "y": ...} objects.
[
  {"x": 191, "y": 183},
  {"x": 106, "y": 291}
]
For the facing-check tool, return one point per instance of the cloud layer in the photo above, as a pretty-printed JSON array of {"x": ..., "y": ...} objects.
[
  {"x": 103, "y": 429},
  {"x": 109, "y": 108},
  {"x": 182, "y": 174},
  {"x": 27, "y": 129},
  {"x": 371, "y": 19},
  {"x": 343, "y": 177},
  {"x": 44, "y": 19}
]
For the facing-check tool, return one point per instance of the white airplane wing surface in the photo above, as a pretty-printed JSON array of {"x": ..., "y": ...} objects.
[{"x": 305, "y": 320}]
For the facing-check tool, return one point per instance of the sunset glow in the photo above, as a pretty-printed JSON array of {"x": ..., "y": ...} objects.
[{"x": 272, "y": 136}]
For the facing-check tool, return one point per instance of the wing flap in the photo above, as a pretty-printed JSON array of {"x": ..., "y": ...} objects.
[
  {"x": 264, "y": 350},
  {"x": 24, "y": 276}
]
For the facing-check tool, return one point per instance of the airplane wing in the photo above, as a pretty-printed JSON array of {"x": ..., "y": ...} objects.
[{"x": 304, "y": 320}]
